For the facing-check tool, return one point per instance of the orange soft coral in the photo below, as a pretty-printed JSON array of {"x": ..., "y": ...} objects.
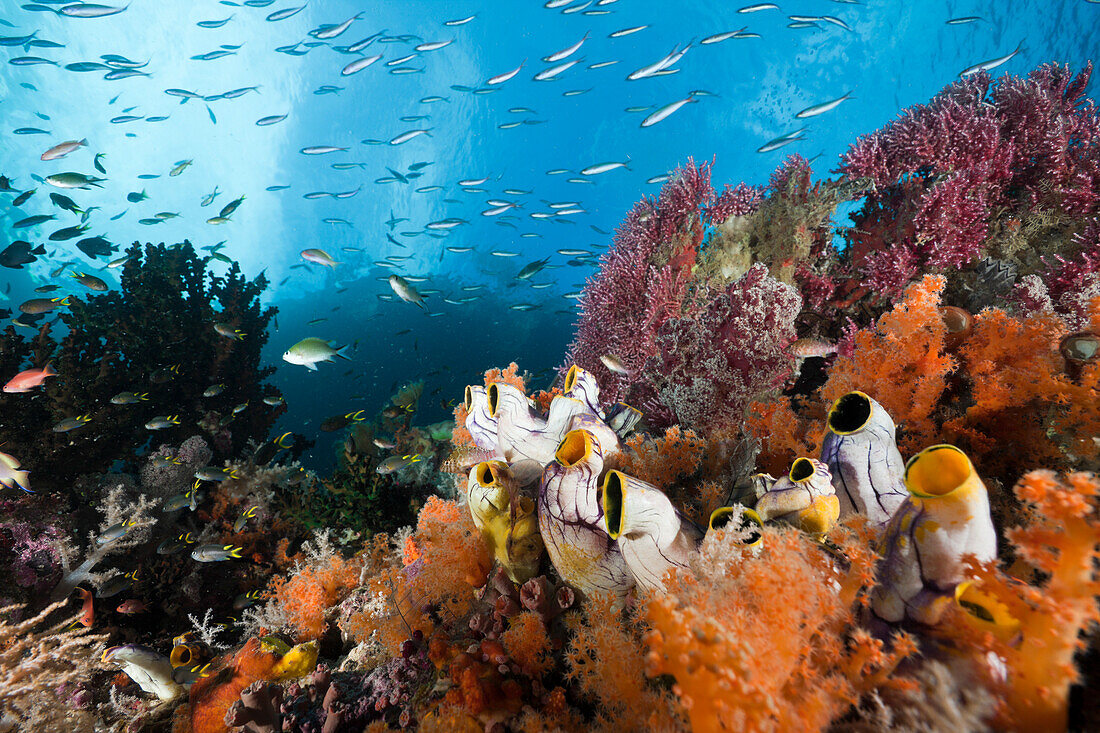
[
  {"x": 509, "y": 375},
  {"x": 761, "y": 643},
  {"x": 606, "y": 661},
  {"x": 446, "y": 560},
  {"x": 902, "y": 362},
  {"x": 528, "y": 643},
  {"x": 1063, "y": 543},
  {"x": 1022, "y": 395},
  {"x": 306, "y": 595},
  {"x": 784, "y": 434},
  {"x": 663, "y": 461}
]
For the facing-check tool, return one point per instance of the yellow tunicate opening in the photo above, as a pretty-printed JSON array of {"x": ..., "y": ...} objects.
[
  {"x": 612, "y": 501},
  {"x": 937, "y": 471},
  {"x": 574, "y": 448},
  {"x": 571, "y": 377},
  {"x": 183, "y": 655},
  {"x": 720, "y": 518},
  {"x": 849, "y": 413},
  {"x": 486, "y": 476},
  {"x": 494, "y": 399},
  {"x": 986, "y": 612},
  {"x": 801, "y": 470},
  {"x": 469, "y": 398}
]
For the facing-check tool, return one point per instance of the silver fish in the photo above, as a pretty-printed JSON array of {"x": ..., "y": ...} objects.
[
  {"x": 215, "y": 553},
  {"x": 665, "y": 112},
  {"x": 565, "y": 52},
  {"x": 554, "y": 71},
  {"x": 822, "y": 108},
  {"x": 984, "y": 65},
  {"x": 358, "y": 65}
]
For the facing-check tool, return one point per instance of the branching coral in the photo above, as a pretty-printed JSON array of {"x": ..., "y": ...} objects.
[
  {"x": 154, "y": 334},
  {"x": 116, "y": 511},
  {"x": 41, "y": 665}
]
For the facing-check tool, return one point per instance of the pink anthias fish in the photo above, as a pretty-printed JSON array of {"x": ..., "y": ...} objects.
[
  {"x": 27, "y": 380},
  {"x": 320, "y": 257},
  {"x": 132, "y": 606}
]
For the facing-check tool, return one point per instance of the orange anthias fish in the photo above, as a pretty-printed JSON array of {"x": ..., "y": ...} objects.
[
  {"x": 87, "y": 612},
  {"x": 27, "y": 380}
]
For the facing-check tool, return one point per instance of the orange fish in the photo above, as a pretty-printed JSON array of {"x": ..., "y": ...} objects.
[
  {"x": 87, "y": 612},
  {"x": 27, "y": 380}
]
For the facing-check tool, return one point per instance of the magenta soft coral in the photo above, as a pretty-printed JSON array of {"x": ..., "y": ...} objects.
[
  {"x": 978, "y": 147},
  {"x": 709, "y": 366},
  {"x": 643, "y": 278}
]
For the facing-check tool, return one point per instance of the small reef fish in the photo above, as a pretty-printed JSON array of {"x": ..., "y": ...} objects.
[
  {"x": 116, "y": 585},
  {"x": 115, "y": 531},
  {"x": 982, "y": 66},
  {"x": 782, "y": 140},
  {"x": 396, "y": 463},
  {"x": 320, "y": 257},
  {"x": 404, "y": 290},
  {"x": 338, "y": 422},
  {"x": 165, "y": 374},
  {"x": 226, "y": 330},
  {"x": 90, "y": 281},
  {"x": 180, "y": 167},
  {"x": 161, "y": 422},
  {"x": 215, "y": 553},
  {"x": 28, "y": 379},
  {"x": 172, "y": 545},
  {"x": 598, "y": 168},
  {"x": 805, "y": 348},
  {"x": 665, "y": 112},
  {"x": 309, "y": 351},
  {"x": 210, "y": 473},
  {"x": 62, "y": 149},
  {"x": 10, "y": 475},
  {"x": 249, "y": 599},
  {"x": 213, "y": 390},
  {"x": 72, "y": 423},
  {"x": 132, "y": 606},
  {"x": 177, "y": 502},
  {"x": 87, "y": 611},
  {"x": 129, "y": 398},
  {"x": 242, "y": 520},
  {"x": 73, "y": 180},
  {"x": 615, "y": 364},
  {"x": 34, "y": 306},
  {"x": 20, "y": 253}
]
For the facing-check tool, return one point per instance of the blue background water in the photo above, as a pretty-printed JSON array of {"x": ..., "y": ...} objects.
[{"x": 896, "y": 54}]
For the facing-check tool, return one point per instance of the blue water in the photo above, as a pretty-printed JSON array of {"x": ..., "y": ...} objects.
[{"x": 896, "y": 54}]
